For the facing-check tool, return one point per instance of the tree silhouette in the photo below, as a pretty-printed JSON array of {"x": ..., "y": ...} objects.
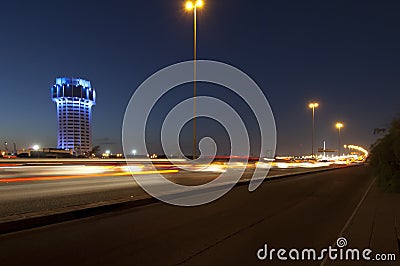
[
  {"x": 378, "y": 131},
  {"x": 385, "y": 158}
]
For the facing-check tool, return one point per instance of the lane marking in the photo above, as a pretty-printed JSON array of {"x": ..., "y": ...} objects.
[{"x": 350, "y": 219}]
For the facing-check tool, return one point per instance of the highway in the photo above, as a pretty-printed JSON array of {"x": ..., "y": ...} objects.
[
  {"x": 28, "y": 187},
  {"x": 302, "y": 211}
]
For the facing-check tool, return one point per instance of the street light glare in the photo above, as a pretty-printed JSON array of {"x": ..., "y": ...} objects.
[
  {"x": 313, "y": 105},
  {"x": 339, "y": 125},
  {"x": 36, "y": 147},
  {"x": 199, "y": 3},
  {"x": 189, "y": 5}
]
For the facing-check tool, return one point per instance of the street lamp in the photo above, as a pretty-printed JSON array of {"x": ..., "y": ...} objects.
[
  {"x": 313, "y": 106},
  {"x": 193, "y": 6},
  {"x": 339, "y": 126},
  {"x": 36, "y": 149}
]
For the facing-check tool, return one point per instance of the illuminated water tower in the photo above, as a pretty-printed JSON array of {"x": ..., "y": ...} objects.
[{"x": 74, "y": 98}]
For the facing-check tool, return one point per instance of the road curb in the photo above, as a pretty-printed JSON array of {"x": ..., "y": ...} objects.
[
  {"x": 27, "y": 223},
  {"x": 43, "y": 220}
]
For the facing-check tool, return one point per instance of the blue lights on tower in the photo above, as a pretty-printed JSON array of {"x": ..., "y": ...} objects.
[{"x": 74, "y": 98}]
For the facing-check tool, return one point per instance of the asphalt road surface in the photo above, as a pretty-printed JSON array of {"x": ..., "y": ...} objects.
[
  {"x": 298, "y": 212},
  {"x": 49, "y": 186}
]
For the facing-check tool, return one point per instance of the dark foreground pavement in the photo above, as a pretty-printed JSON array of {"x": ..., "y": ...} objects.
[{"x": 309, "y": 211}]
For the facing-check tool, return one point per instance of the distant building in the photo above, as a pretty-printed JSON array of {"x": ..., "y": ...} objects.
[
  {"x": 44, "y": 153},
  {"x": 74, "y": 98}
]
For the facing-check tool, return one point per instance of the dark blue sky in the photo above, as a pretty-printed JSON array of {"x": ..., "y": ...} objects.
[{"x": 344, "y": 54}]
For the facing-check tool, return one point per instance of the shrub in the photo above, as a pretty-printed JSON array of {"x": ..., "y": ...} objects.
[{"x": 385, "y": 159}]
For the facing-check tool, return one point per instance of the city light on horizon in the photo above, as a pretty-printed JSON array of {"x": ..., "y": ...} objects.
[{"x": 358, "y": 148}]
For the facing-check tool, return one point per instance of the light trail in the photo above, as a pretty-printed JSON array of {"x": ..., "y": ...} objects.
[{"x": 47, "y": 178}]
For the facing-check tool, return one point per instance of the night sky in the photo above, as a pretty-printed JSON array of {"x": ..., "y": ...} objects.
[{"x": 343, "y": 54}]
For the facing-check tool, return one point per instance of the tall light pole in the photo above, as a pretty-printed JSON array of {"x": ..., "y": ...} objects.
[
  {"x": 313, "y": 106},
  {"x": 339, "y": 126},
  {"x": 193, "y": 6}
]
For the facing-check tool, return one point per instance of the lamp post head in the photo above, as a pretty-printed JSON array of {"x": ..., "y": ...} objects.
[
  {"x": 339, "y": 125},
  {"x": 199, "y": 3},
  {"x": 190, "y": 5},
  {"x": 313, "y": 105}
]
